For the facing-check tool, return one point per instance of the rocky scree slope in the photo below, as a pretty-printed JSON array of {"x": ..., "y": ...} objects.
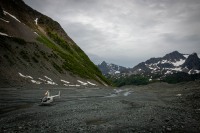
[{"x": 35, "y": 50}]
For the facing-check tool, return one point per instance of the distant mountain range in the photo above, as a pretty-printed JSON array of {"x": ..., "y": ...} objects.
[{"x": 156, "y": 68}]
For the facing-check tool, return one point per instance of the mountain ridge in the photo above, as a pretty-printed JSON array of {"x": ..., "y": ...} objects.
[
  {"x": 35, "y": 45},
  {"x": 161, "y": 67}
]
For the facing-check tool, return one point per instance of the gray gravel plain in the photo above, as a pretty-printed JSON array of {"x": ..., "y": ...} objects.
[{"x": 156, "y": 108}]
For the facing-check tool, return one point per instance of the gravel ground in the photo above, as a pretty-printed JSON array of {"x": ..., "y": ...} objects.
[{"x": 157, "y": 107}]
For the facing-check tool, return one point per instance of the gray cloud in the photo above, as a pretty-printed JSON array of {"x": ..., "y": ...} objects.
[{"x": 127, "y": 32}]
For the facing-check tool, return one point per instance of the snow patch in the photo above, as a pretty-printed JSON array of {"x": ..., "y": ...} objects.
[
  {"x": 164, "y": 61},
  {"x": 51, "y": 83},
  {"x": 192, "y": 71},
  {"x": 91, "y": 83},
  {"x": 127, "y": 93},
  {"x": 177, "y": 69},
  {"x": 178, "y": 63},
  {"x": 48, "y": 82},
  {"x": 42, "y": 79},
  {"x": 65, "y": 84},
  {"x": 74, "y": 85},
  {"x": 36, "y": 82},
  {"x": 151, "y": 67},
  {"x": 186, "y": 55},
  {"x": 178, "y": 95},
  {"x": 64, "y": 81},
  {"x": 48, "y": 78},
  {"x": 118, "y": 91},
  {"x": 36, "y": 33},
  {"x": 197, "y": 71},
  {"x": 4, "y": 20},
  {"x": 36, "y": 21},
  {"x": 25, "y": 76},
  {"x": 105, "y": 84},
  {"x": 83, "y": 83},
  {"x": 11, "y": 16},
  {"x": 3, "y": 34},
  {"x": 117, "y": 72},
  {"x": 168, "y": 72}
]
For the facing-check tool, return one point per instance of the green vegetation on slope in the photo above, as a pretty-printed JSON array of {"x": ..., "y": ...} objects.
[
  {"x": 144, "y": 80},
  {"x": 180, "y": 77},
  {"x": 75, "y": 60},
  {"x": 130, "y": 80}
]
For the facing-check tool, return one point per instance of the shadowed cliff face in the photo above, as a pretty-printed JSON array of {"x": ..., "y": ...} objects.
[
  {"x": 35, "y": 45},
  {"x": 192, "y": 62}
]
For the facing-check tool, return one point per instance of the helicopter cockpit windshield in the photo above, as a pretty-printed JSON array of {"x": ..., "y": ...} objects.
[{"x": 45, "y": 99}]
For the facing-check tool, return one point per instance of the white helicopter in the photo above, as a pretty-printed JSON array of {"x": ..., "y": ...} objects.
[{"x": 48, "y": 99}]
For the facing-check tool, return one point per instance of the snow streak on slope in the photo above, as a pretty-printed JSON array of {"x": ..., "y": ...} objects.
[
  {"x": 3, "y": 34},
  {"x": 11, "y": 16},
  {"x": 178, "y": 63}
]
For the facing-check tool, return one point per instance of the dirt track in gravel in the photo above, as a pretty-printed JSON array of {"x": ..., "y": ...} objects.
[{"x": 157, "y": 107}]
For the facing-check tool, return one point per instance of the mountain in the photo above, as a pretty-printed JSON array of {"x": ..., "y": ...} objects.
[
  {"x": 111, "y": 69},
  {"x": 36, "y": 51},
  {"x": 171, "y": 67},
  {"x": 170, "y": 63},
  {"x": 192, "y": 62}
]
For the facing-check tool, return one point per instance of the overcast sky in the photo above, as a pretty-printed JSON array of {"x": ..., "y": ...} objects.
[{"x": 127, "y": 32}]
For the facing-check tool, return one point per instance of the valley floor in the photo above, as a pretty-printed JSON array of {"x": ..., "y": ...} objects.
[{"x": 158, "y": 107}]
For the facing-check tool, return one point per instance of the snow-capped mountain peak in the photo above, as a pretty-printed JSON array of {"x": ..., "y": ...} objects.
[
  {"x": 109, "y": 68},
  {"x": 171, "y": 63}
]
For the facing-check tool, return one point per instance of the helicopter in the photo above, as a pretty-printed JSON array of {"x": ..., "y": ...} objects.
[{"x": 47, "y": 99}]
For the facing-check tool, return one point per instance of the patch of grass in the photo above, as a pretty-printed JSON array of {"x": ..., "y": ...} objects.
[
  {"x": 130, "y": 80},
  {"x": 75, "y": 60},
  {"x": 59, "y": 40},
  {"x": 47, "y": 42},
  {"x": 54, "y": 55},
  {"x": 180, "y": 77}
]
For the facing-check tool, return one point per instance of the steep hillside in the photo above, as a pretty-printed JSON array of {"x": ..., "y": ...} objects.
[{"x": 35, "y": 50}]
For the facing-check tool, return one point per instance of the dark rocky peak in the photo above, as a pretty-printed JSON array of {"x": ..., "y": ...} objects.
[
  {"x": 109, "y": 68},
  {"x": 103, "y": 67},
  {"x": 27, "y": 15},
  {"x": 103, "y": 63},
  {"x": 192, "y": 62},
  {"x": 153, "y": 60},
  {"x": 194, "y": 54},
  {"x": 19, "y": 9},
  {"x": 141, "y": 66},
  {"x": 174, "y": 56}
]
